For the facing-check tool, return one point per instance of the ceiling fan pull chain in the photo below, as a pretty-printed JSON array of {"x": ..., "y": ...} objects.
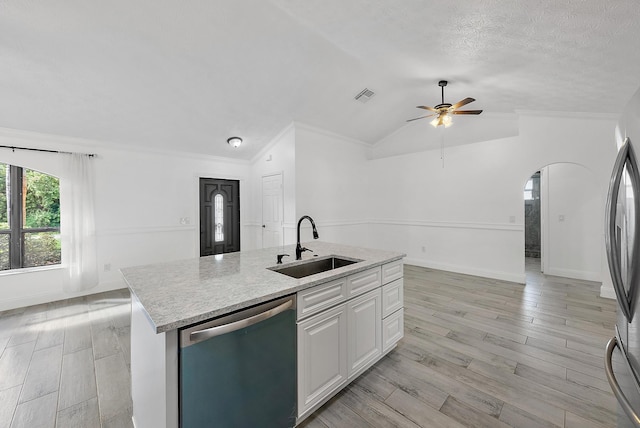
[{"x": 442, "y": 147}]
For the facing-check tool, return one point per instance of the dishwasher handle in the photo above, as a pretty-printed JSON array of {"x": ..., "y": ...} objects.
[
  {"x": 208, "y": 333},
  {"x": 617, "y": 391}
]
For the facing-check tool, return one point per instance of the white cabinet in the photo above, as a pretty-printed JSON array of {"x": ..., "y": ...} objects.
[
  {"x": 315, "y": 299},
  {"x": 364, "y": 314},
  {"x": 392, "y": 271},
  {"x": 392, "y": 297},
  {"x": 392, "y": 330},
  {"x": 344, "y": 327},
  {"x": 322, "y": 357},
  {"x": 392, "y": 314},
  {"x": 362, "y": 282}
]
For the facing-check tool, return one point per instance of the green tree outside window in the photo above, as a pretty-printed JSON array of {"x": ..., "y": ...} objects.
[{"x": 29, "y": 218}]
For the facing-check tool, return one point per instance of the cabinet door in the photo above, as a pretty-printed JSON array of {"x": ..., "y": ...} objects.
[
  {"x": 392, "y": 297},
  {"x": 322, "y": 357},
  {"x": 392, "y": 329},
  {"x": 364, "y": 317}
]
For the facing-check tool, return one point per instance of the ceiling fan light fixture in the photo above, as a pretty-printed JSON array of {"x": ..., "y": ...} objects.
[
  {"x": 442, "y": 119},
  {"x": 445, "y": 111},
  {"x": 234, "y": 142}
]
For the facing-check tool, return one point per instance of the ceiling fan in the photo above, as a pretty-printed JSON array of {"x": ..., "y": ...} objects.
[{"x": 443, "y": 111}]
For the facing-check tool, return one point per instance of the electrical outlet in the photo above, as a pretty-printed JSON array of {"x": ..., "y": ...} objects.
[
  {"x": 107, "y": 267},
  {"x": 512, "y": 219},
  {"x": 424, "y": 249}
]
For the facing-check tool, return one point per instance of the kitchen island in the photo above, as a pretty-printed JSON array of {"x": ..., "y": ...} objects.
[{"x": 173, "y": 295}]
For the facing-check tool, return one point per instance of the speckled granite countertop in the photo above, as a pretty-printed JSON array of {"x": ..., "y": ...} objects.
[{"x": 179, "y": 293}]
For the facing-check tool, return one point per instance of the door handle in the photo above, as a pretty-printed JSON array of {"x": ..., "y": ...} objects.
[
  {"x": 208, "y": 333},
  {"x": 626, "y": 157},
  {"x": 617, "y": 391},
  {"x": 264, "y": 225}
]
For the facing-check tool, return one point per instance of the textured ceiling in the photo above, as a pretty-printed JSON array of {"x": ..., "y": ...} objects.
[{"x": 188, "y": 74}]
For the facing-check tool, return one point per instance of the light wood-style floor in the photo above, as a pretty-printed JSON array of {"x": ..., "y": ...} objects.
[
  {"x": 66, "y": 364},
  {"x": 476, "y": 353},
  {"x": 488, "y": 353}
]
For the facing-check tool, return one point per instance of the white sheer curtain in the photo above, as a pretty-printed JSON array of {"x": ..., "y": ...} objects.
[{"x": 78, "y": 224}]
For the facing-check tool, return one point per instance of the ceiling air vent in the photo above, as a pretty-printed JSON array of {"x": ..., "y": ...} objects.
[{"x": 364, "y": 95}]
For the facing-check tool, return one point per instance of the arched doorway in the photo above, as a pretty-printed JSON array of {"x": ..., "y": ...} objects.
[{"x": 567, "y": 199}]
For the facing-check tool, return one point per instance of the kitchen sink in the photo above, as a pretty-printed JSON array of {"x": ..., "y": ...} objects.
[{"x": 314, "y": 266}]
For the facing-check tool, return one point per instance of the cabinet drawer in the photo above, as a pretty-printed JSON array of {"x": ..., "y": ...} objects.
[
  {"x": 315, "y": 299},
  {"x": 392, "y": 329},
  {"x": 362, "y": 282},
  {"x": 392, "y": 297},
  {"x": 391, "y": 271}
]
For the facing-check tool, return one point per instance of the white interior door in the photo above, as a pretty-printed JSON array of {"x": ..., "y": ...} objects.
[{"x": 272, "y": 210}]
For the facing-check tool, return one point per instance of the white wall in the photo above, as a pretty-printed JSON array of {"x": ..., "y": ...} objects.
[
  {"x": 278, "y": 157},
  {"x": 574, "y": 219},
  {"x": 454, "y": 218},
  {"x": 141, "y": 197},
  {"x": 468, "y": 216},
  {"x": 332, "y": 185},
  {"x": 418, "y": 136}
]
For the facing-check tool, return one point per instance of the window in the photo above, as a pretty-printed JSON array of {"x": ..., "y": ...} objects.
[
  {"x": 528, "y": 190},
  {"x": 532, "y": 188},
  {"x": 218, "y": 217},
  {"x": 29, "y": 218}
]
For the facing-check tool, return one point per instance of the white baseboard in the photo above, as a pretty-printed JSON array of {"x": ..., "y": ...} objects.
[
  {"x": 504, "y": 276},
  {"x": 575, "y": 274},
  {"x": 46, "y": 297},
  {"x": 607, "y": 292}
]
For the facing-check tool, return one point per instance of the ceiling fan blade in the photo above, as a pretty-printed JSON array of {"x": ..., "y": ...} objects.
[
  {"x": 427, "y": 108},
  {"x": 466, "y": 112},
  {"x": 462, "y": 103},
  {"x": 421, "y": 117}
]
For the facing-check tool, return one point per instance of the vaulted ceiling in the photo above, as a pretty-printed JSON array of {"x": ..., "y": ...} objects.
[{"x": 189, "y": 74}]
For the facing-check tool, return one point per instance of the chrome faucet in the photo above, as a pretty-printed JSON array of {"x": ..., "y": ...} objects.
[{"x": 299, "y": 248}]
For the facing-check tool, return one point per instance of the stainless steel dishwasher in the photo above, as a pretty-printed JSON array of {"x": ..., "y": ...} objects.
[{"x": 240, "y": 370}]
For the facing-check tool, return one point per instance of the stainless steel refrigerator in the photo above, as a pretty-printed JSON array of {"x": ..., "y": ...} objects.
[{"x": 622, "y": 359}]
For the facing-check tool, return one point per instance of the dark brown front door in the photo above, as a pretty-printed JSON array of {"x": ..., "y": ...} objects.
[{"x": 219, "y": 216}]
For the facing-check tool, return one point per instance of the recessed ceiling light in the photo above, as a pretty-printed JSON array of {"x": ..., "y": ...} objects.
[{"x": 234, "y": 142}]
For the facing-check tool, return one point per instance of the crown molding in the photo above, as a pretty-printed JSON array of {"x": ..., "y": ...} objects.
[
  {"x": 310, "y": 128},
  {"x": 21, "y": 138},
  {"x": 489, "y": 115},
  {"x": 293, "y": 126},
  {"x": 569, "y": 115},
  {"x": 275, "y": 140}
]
